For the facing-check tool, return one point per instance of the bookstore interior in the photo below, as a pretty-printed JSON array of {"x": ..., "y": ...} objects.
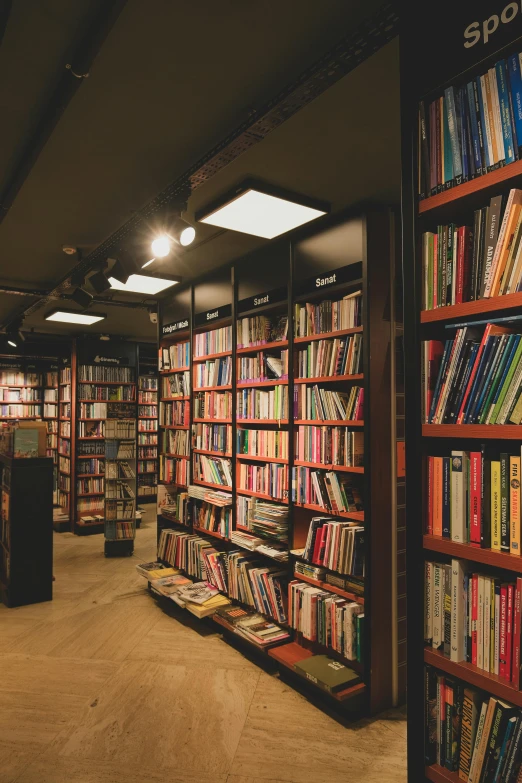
[{"x": 260, "y": 397}]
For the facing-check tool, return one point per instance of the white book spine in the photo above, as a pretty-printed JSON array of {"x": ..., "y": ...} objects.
[
  {"x": 428, "y": 605},
  {"x": 437, "y": 606},
  {"x": 458, "y": 611},
  {"x": 458, "y": 498},
  {"x": 480, "y": 623},
  {"x": 497, "y": 633},
  {"x": 487, "y": 622}
]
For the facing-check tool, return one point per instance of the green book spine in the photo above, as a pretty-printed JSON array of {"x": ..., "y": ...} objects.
[{"x": 506, "y": 383}]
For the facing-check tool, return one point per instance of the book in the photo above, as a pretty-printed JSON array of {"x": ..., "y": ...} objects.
[{"x": 330, "y": 675}]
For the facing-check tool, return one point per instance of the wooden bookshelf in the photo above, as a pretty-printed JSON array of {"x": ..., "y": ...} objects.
[
  {"x": 496, "y": 304},
  {"x": 490, "y": 557},
  {"x": 331, "y": 588},
  {"x": 330, "y": 422},
  {"x": 479, "y": 431},
  {"x": 439, "y": 774},
  {"x": 248, "y": 457},
  {"x": 322, "y": 466},
  {"x": 262, "y": 347},
  {"x": 331, "y": 379},
  {"x": 148, "y": 386},
  {"x": 327, "y": 335},
  {"x": 261, "y": 384}
]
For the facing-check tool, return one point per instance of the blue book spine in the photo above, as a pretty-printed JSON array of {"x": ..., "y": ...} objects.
[
  {"x": 481, "y": 378},
  {"x": 476, "y": 381},
  {"x": 449, "y": 98},
  {"x": 504, "y": 750},
  {"x": 509, "y": 353},
  {"x": 515, "y": 84},
  {"x": 445, "y": 357},
  {"x": 460, "y": 104},
  {"x": 465, "y": 377},
  {"x": 448, "y": 154},
  {"x": 475, "y": 139},
  {"x": 503, "y": 99},
  {"x": 446, "y": 516},
  {"x": 487, "y": 159},
  {"x": 498, "y": 354}
]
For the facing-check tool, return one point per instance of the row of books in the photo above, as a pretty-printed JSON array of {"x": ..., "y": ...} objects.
[
  {"x": 469, "y": 732},
  {"x": 254, "y": 583},
  {"x": 147, "y": 439},
  {"x": 20, "y": 395},
  {"x": 65, "y": 375},
  {"x": 147, "y": 410},
  {"x": 64, "y": 465},
  {"x": 347, "y": 582},
  {"x": 147, "y": 466},
  {"x": 256, "y": 544},
  {"x": 20, "y": 411},
  {"x": 65, "y": 429},
  {"x": 176, "y": 442},
  {"x": 184, "y": 550},
  {"x": 91, "y": 466},
  {"x": 269, "y": 404},
  {"x": 173, "y": 471},
  {"x": 330, "y": 445},
  {"x": 90, "y": 506},
  {"x": 327, "y": 316},
  {"x": 175, "y": 357},
  {"x": 474, "y": 617},
  {"x": 84, "y": 448},
  {"x": 478, "y": 380},
  {"x": 50, "y": 395},
  {"x": 147, "y": 382},
  {"x": 263, "y": 367},
  {"x": 213, "y": 372},
  {"x": 148, "y": 397},
  {"x": 313, "y": 403},
  {"x": 119, "y": 509},
  {"x": 216, "y": 519},
  {"x": 92, "y": 410},
  {"x": 64, "y": 482},
  {"x": 326, "y": 489},
  {"x": 49, "y": 410},
  {"x": 176, "y": 385},
  {"x": 118, "y": 489},
  {"x": 270, "y": 479},
  {"x": 327, "y": 618},
  {"x": 215, "y": 341},
  {"x": 263, "y": 443},
  {"x": 87, "y": 391},
  {"x": 123, "y": 530},
  {"x": 213, "y": 405},
  {"x": 325, "y": 358},
  {"x": 174, "y": 413},
  {"x": 262, "y": 518},
  {"x": 336, "y": 545},
  {"x": 94, "y": 429},
  {"x": 64, "y": 392},
  {"x": 147, "y": 425},
  {"x": 52, "y": 426},
  {"x": 120, "y": 428},
  {"x": 259, "y": 330},
  {"x": 150, "y": 452},
  {"x": 172, "y": 505},
  {"x": 475, "y": 500},
  {"x": 65, "y": 410},
  {"x": 213, "y": 437},
  {"x": 96, "y": 372},
  {"x": 17, "y": 378},
  {"x": 472, "y": 129},
  {"x": 213, "y": 470},
  {"x": 86, "y": 486}
]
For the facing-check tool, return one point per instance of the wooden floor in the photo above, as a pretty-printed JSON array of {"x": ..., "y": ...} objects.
[{"x": 100, "y": 686}]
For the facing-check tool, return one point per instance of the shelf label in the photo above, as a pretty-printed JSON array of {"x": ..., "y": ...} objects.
[
  {"x": 225, "y": 311},
  {"x": 260, "y": 300},
  {"x": 175, "y": 326},
  {"x": 344, "y": 274}
]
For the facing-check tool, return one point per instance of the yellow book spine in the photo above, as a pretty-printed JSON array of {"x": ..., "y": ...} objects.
[
  {"x": 495, "y": 505},
  {"x": 514, "y": 505}
]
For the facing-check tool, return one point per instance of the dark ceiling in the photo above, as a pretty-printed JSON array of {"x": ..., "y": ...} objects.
[{"x": 169, "y": 82}]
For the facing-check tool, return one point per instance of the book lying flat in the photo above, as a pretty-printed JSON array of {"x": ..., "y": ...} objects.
[{"x": 328, "y": 674}]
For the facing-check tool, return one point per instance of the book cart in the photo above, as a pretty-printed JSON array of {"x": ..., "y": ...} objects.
[
  {"x": 425, "y": 77},
  {"x": 247, "y": 429},
  {"x": 147, "y": 423}
]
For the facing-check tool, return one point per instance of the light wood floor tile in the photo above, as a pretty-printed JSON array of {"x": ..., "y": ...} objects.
[
  {"x": 30, "y": 674},
  {"x": 298, "y": 752},
  {"x": 14, "y": 759},
  {"x": 185, "y": 722}
]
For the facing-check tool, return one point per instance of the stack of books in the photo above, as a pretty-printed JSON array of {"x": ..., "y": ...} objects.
[
  {"x": 251, "y": 626},
  {"x": 326, "y": 489},
  {"x": 264, "y": 519},
  {"x": 214, "y": 470},
  {"x": 328, "y": 316},
  {"x": 339, "y": 546},
  {"x": 177, "y": 385}
]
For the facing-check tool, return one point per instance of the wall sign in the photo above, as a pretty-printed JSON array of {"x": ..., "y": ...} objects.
[
  {"x": 328, "y": 279},
  {"x": 213, "y": 315},
  {"x": 260, "y": 300},
  {"x": 174, "y": 327},
  {"x": 113, "y": 354}
]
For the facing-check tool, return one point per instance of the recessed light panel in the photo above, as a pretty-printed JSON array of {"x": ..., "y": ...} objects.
[
  {"x": 261, "y": 214},
  {"x": 142, "y": 284},
  {"x": 71, "y": 317}
]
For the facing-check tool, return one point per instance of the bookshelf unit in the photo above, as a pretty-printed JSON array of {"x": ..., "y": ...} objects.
[
  {"x": 66, "y": 442},
  {"x": 50, "y": 416},
  {"x": 259, "y": 438},
  {"x": 424, "y": 78},
  {"x": 148, "y": 408},
  {"x": 120, "y": 481},
  {"x": 26, "y": 530}
]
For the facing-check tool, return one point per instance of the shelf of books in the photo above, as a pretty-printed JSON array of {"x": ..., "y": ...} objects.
[
  {"x": 148, "y": 407},
  {"x": 120, "y": 482},
  {"x": 105, "y": 391},
  {"x": 463, "y": 422},
  {"x": 66, "y": 443},
  {"x": 50, "y": 416},
  {"x": 275, "y": 514}
]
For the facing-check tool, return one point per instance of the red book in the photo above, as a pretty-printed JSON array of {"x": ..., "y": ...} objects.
[
  {"x": 475, "y": 496},
  {"x": 435, "y": 351},
  {"x": 429, "y": 493},
  {"x": 509, "y": 630},
  {"x": 474, "y": 618},
  {"x": 317, "y": 545},
  {"x": 503, "y": 632},
  {"x": 517, "y": 614}
]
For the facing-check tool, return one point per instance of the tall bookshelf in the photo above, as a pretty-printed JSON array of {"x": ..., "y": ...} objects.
[
  {"x": 105, "y": 383},
  {"x": 148, "y": 408},
  {"x": 259, "y": 438},
  {"x": 50, "y": 415},
  {"x": 66, "y": 440},
  {"x": 21, "y": 389},
  {"x": 425, "y": 76}
]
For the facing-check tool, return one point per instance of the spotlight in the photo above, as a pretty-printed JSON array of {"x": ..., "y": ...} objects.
[
  {"x": 160, "y": 247},
  {"x": 120, "y": 272},
  {"x": 15, "y": 338},
  {"x": 183, "y": 232},
  {"x": 82, "y": 298},
  {"x": 11, "y": 341},
  {"x": 100, "y": 282}
]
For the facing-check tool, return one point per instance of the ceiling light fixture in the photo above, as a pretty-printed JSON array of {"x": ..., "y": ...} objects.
[
  {"x": 12, "y": 341},
  {"x": 74, "y": 317},
  {"x": 119, "y": 271},
  {"x": 100, "y": 282},
  {"x": 160, "y": 247},
  {"x": 262, "y": 210},
  {"x": 82, "y": 298},
  {"x": 145, "y": 284},
  {"x": 148, "y": 263}
]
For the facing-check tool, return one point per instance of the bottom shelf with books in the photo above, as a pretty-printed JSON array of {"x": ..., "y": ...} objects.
[{"x": 441, "y": 775}]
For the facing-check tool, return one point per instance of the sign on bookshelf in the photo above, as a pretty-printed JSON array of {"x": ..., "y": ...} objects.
[
  {"x": 344, "y": 274},
  {"x": 210, "y": 316},
  {"x": 174, "y": 327},
  {"x": 260, "y": 300}
]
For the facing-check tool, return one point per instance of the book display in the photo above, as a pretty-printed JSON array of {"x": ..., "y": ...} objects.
[
  {"x": 267, "y": 479},
  {"x": 26, "y": 530},
  {"x": 147, "y": 415},
  {"x": 463, "y": 333},
  {"x": 66, "y": 440}
]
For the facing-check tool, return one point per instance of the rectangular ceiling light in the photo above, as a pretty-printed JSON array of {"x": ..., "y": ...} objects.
[
  {"x": 262, "y": 210},
  {"x": 73, "y": 317},
  {"x": 143, "y": 284}
]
